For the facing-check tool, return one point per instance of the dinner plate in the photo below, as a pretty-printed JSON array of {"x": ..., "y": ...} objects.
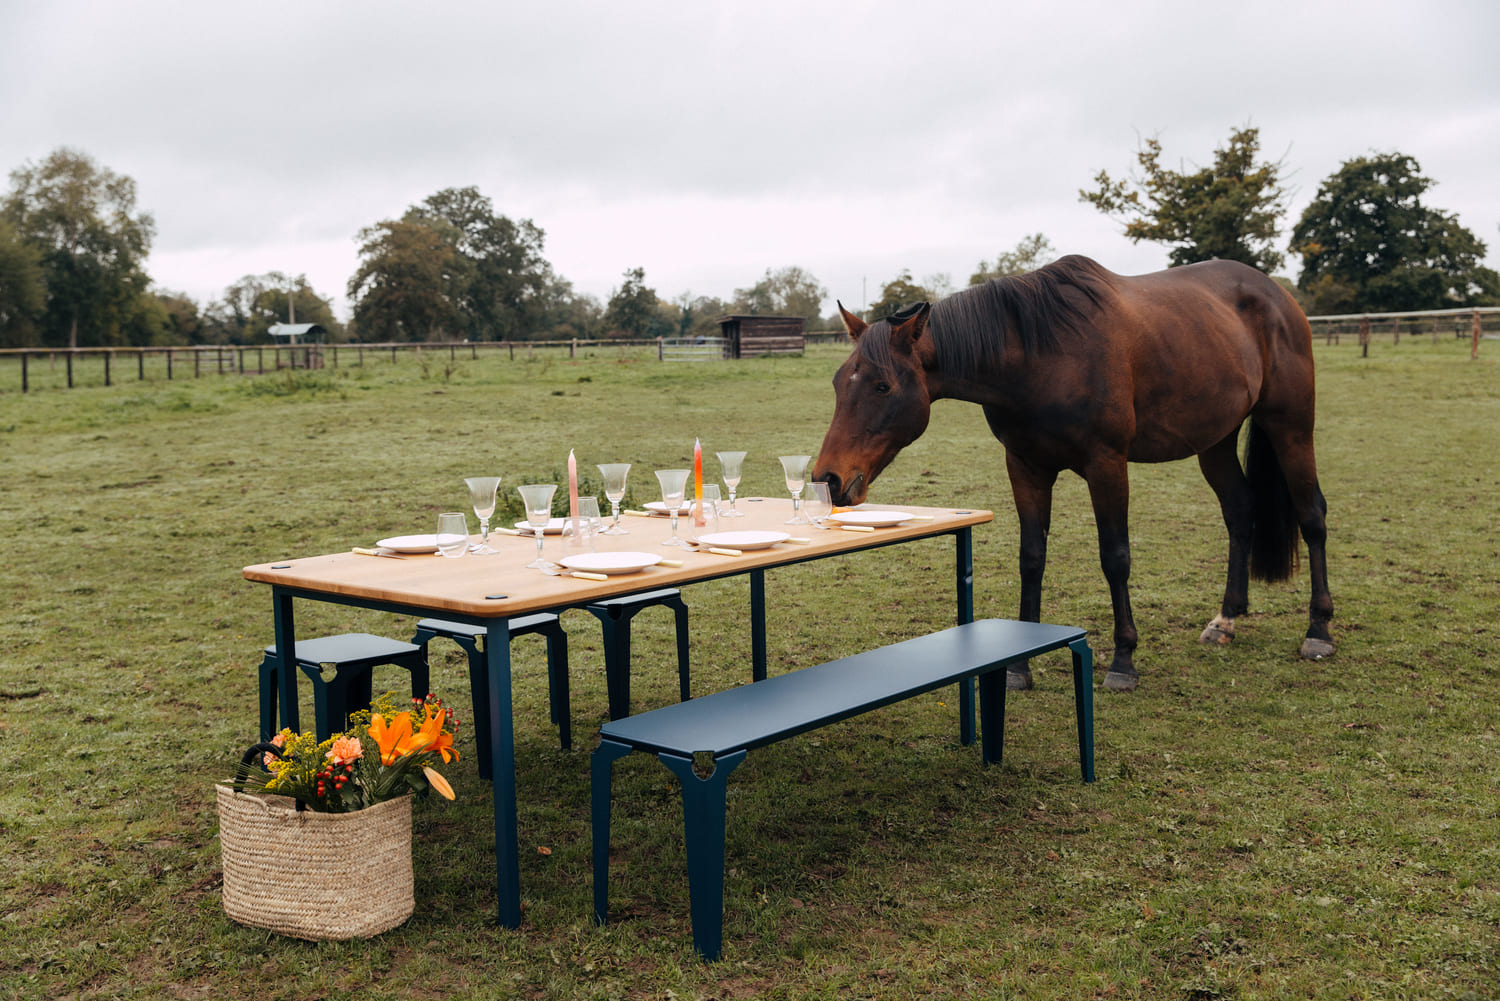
[
  {"x": 610, "y": 563},
  {"x": 743, "y": 540},
  {"x": 554, "y": 526},
  {"x": 657, "y": 507},
  {"x": 871, "y": 519},
  {"x": 410, "y": 544}
]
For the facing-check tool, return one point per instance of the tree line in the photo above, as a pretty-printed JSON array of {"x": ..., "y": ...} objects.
[{"x": 74, "y": 248}]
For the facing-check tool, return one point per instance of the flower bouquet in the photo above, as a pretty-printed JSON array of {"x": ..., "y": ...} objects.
[{"x": 316, "y": 836}]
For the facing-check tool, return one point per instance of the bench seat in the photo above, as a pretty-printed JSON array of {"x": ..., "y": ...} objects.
[{"x": 729, "y": 724}]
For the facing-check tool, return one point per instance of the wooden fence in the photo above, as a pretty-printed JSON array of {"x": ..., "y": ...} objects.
[{"x": 1473, "y": 324}]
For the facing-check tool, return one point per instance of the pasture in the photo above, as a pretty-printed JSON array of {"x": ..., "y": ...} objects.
[{"x": 1262, "y": 827}]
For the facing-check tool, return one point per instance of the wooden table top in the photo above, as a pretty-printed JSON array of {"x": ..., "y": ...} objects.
[{"x": 500, "y": 585}]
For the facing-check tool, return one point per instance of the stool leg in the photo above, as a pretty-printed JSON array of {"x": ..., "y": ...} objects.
[
  {"x": 684, "y": 679},
  {"x": 601, "y": 773},
  {"x": 268, "y": 682},
  {"x": 616, "y": 659},
  {"x": 421, "y": 678},
  {"x": 479, "y": 695},
  {"x": 1083, "y": 703},
  {"x": 324, "y": 693},
  {"x": 557, "y": 686},
  {"x": 703, "y": 806}
]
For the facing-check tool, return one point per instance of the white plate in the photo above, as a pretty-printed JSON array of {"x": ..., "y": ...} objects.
[
  {"x": 554, "y": 527},
  {"x": 743, "y": 540},
  {"x": 872, "y": 519},
  {"x": 657, "y": 507},
  {"x": 410, "y": 544},
  {"x": 610, "y": 562}
]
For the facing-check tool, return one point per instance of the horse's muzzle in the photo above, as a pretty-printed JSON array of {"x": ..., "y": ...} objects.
[{"x": 840, "y": 493}]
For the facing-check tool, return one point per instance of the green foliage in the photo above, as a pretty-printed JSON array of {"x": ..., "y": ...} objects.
[
  {"x": 789, "y": 291},
  {"x": 80, "y": 219},
  {"x": 408, "y": 284},
  {"x": 900, "y": 291},
  {"x": 252, "y": 305},
  {"x": 1369, "y": 244},
  {"x": 1032, "y": 252},
  {"x": 23, "y": 293},
  {"x": 634, "y": 309},
  {"x": 1231, "y": 210}
]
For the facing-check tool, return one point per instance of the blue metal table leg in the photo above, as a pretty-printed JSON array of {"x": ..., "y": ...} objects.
[
  {"x": 503, "y": 777},
  {"x": 703, "y": 834},
  {"x": 286, "y": 651},
  {"x": 1083, "y": 704},
  {"x": 601, "y": 769},
  {"x": 964, "y": 573},
  {"x": 757, "y": 625}
]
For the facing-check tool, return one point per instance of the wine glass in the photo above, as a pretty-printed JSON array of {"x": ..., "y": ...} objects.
[
  {"x": 482, "y": 496},
  {"x": 795, "y": 468},
  {"x": 589, "y": 522},
  {"x": 711, "y": 502},
  {"x": 673, "y": 486},
  {"x": 614, "y": 490},
  {"x": 819, "y": 503},
  {"x": 452, "y": 534},
  {"x": 729, "y": 465},
  {"x": 538, "y": 500}
]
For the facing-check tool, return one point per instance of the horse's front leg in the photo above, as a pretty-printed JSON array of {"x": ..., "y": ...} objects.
[
  {"x": 1109, "y": 490},
  {"x": 1032, "y": 489}
]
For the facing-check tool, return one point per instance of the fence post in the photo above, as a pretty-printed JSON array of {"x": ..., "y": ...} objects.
[
  {"x": 25, "y": 375},
  {"x": 512, "y": 349},
  {"x": 573, "y": 348},
  {"x": 169, "y": 364},
  {"x": 107, "y": 356},
  {"x": 70, "y": 369},
  {"x": 661, "y": 354},
  {"x": 140, "y": 365},
  {"x": 260, "y": 361},
  {"x": 473, "y": 351},
  {"x": 359, "y": 353},
  {"x": 1364, "y": 337},
  {"x": 197, "y": 367},
  {"x": 1474, "y": 348}
]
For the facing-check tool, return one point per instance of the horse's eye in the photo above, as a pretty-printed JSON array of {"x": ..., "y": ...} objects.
[{"x": 882, "y": 388}]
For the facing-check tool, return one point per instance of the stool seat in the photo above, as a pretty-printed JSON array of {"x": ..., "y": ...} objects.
[{"x": 353, "y": 657}]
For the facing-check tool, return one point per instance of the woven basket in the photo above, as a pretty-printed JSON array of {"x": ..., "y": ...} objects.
[{"x": 315, "y": 875}]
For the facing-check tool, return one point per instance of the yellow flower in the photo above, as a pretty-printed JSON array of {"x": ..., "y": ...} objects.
[{"x": 436, "y": 780}]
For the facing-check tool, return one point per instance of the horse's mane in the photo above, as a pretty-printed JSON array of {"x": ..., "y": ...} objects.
[{"x": 1039, "y": 310}]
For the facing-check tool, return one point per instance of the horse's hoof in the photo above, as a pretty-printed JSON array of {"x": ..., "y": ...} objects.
[
  {"x": 1017, "y": 681},
  {"x": 1316, "y": 649},
  {"x": 1213, "y": 634},
  {"x": 1117, "y": 681}
]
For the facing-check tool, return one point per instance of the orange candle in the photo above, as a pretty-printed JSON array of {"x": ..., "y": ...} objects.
[{"x": 698, "y": 518}]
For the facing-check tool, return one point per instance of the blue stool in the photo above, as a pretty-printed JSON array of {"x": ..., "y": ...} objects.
[
  {"x": 353, "y": 656},
  {"x": 614, "y": 614},
  {"x": 470, "y": 637}
]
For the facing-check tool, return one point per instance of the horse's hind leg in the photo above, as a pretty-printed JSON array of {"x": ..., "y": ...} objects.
[
  {"x": 1221, "y": 468},
  {"x": 1294, "y": 451},
  {"x": 1032, "y": 490}
]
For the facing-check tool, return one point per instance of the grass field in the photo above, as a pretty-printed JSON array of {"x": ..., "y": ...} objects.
[{"x": 1262, "y": 827}]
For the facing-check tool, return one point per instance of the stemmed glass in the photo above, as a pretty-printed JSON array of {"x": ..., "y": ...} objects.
[
  {"x": 795, "y": 468},
  {"x": 729, "y": 464},
  {"x": 673, "y": 486},
  {"x": 482, "y": 496},
  {"x": 614, "y": 490},
  {"x": 538, "y": 500},
  {"x": 819, "y": 503}
]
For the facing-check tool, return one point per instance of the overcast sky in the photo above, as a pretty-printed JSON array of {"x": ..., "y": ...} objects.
[{"x": 706, "y": 142}]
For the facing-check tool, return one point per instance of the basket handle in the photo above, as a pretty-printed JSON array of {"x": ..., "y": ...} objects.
[{"x": 253, "y": 754}]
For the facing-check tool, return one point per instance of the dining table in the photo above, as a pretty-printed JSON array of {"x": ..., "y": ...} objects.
[{"x": 487, "y": 590}]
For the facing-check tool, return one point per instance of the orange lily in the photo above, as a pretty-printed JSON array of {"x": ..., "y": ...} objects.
[
  {"x": 436, "y": 780},
  {"x": 444, "y": 746},
  {"x": 431, "y": 731},
  {"x": 396, "y": 741}
]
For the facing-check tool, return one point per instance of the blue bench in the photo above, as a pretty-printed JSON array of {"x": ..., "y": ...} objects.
[{"x": 726, "y": 725}]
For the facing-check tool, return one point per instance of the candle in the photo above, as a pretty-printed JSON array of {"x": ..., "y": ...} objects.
[
  {"x": 573, "y": 492},
  {"x": 698, "y": 518}
]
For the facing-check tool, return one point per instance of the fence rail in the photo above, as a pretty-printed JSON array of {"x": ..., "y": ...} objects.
[{"x": 1474, "y": 323}]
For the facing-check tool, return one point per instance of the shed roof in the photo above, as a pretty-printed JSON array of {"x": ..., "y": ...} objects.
[{"x": 295, "y": 329}]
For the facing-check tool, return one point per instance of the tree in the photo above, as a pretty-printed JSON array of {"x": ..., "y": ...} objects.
[
  {"x": 1032, "y": 252},
  {"x": 251, "y": 305},
  {"x": 80, "y": 218},
  {"x": 502, "y": 276},
  {"x": 632, "y": 309},
  {"x": 23, "y": 296},
  {"x": 1231, "y": 210},
  {"x": 563, "y": 312},
  {"x": 1368, "y": 243},
  {"x": 403, "y": 289},
  {"x": 898, "y": 292},
  {"x": 789, "y": 291},
  {"x": 698, "y": 316}
]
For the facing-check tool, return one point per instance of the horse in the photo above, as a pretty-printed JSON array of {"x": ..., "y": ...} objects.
[{"x": 1078, "y": 368}]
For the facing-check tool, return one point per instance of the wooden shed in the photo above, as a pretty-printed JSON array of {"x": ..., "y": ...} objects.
[{"x": 750, "y": 336}]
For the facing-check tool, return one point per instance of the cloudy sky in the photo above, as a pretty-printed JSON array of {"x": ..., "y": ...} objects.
[{"x": 706, "y": 142}]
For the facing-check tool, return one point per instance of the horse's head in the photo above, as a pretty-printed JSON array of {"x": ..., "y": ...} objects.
[{"x": 881, "y": 401}]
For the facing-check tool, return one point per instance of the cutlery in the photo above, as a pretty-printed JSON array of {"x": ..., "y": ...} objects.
[{"x": 377, "y": 552}]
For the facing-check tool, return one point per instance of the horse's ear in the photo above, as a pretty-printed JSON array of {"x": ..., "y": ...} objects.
[
  {"x": 852, "y": 323},
  {"x": 913, "y": 323}
]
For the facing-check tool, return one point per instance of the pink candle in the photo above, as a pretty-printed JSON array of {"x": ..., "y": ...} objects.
[
  {"x": 573, "y": 491},
  {"x": 698, "y": 518}
]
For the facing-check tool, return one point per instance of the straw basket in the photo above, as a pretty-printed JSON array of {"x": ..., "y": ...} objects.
[{"x": 315, "y": 875}]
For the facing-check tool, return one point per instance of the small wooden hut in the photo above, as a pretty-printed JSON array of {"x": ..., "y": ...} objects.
[{"x": 750, "y": 336}]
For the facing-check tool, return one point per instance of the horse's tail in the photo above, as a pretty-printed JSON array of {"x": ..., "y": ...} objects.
[{"x": 1274, "y": 535}]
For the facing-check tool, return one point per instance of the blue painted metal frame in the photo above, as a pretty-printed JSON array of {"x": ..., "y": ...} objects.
[{"x": 497, "y": 658}]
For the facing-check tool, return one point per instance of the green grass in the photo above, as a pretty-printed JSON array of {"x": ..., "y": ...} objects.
[{"x": 1263, "y": 827}]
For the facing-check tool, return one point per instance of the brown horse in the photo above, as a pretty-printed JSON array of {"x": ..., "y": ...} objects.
[{"x": 1079, "y": 368}]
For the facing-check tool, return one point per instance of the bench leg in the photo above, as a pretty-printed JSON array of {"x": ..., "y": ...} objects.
[
  {"x": 479, "y": 697},
  {"x": 1083, "y": 704},
  {"x": 557, "y": 686},
  {"x": 703, "y": 805},
  {"x": 601, "y": 773},
  {"x": 616, "y": 660},
  {"x": 991, "y": 715}
]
